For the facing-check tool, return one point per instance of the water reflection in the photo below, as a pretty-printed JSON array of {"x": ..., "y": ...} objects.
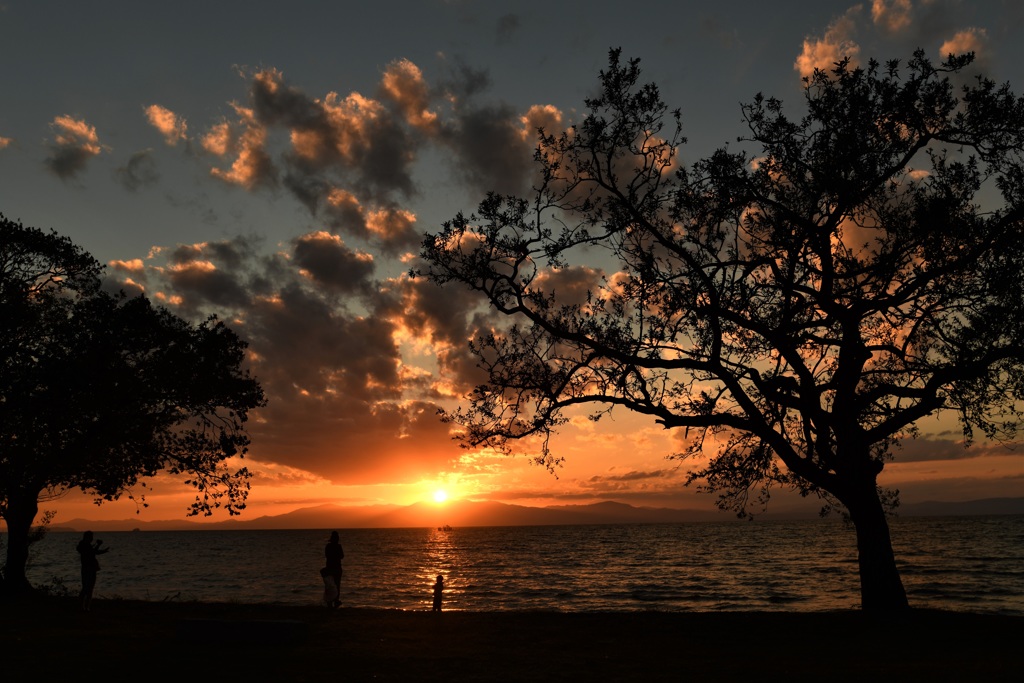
[
  {"x": 442, "y": 556},
  {"x": 967, "y": 563}
]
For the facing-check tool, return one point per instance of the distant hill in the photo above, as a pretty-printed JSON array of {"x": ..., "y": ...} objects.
[
  {"x": 987, "y": 506},
  {"x": 490, "y": 513}
]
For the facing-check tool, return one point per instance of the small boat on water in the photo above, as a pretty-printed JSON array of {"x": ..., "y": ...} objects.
[{"x": 444, "y": 528}]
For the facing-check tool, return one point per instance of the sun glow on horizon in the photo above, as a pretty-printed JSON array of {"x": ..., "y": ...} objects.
[{"x": 440, "y": 496}]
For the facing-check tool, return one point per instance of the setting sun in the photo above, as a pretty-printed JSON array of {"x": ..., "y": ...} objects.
[{"x": 440, "y": 496}]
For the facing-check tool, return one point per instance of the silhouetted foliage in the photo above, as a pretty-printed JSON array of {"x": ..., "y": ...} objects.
[
  {"x": 796, "y": 309},
  {"x": 101, "y": 391}
]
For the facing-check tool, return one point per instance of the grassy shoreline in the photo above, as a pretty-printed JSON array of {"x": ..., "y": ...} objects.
[{"x": 126, "y": 640}]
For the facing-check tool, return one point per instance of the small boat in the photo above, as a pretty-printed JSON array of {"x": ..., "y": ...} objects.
[{"x": 444, "y": 528}]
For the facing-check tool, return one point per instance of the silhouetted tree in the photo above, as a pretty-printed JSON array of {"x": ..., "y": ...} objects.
[
  {"x": 796, "y": 308},
  {"x": 99, "y": 391}
]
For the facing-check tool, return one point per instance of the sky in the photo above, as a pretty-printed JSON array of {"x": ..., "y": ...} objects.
[{"x": 277, "y": 164}]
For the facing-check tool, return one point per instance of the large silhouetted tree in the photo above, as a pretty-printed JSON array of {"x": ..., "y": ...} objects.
[
  {"x": 100, "y": 391},
  {"x": 796, "y": 306}
]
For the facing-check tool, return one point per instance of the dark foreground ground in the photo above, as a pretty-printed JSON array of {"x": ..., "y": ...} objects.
[{"x": 119, "y": 640}]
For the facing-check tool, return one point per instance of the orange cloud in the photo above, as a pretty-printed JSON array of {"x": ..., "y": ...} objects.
[
  {"x": 352, "y": 121},
  {"x": 403, "y": 83},
  {"x": 5, "y": 142},
  {"x": 968, "y": 40},
  {"x": 170, "y": 125},
  {"x": 892, "y": 15},
  {"x": 252, "y": 166},
  {"x": 134, "y": 266},
  {"x": 73, "y": 131},
  {"x": 834, "y": 46},
  {"x": 389, "y": 224},
  {"x": 218, "y": 139},
  {"x": 75, "y": 142},
  {"x": 573, "y": 285},
  {"x": 541, "y": 116}
]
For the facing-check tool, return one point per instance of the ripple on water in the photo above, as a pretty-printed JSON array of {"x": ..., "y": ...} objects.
[{"x": 962, "y": 563}]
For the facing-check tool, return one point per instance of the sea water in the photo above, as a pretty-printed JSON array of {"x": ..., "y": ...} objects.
[{"x": 964, "y": 563}]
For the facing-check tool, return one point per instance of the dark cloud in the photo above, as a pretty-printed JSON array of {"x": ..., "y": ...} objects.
[
  {"x": 75, "y": 142},
  {"x": 213, "y": 277},
  {"x": 449, "y": 320},
  {"x": 337, "y": 400},
  {"x": 202, "y": 284},
  {"x": 631, "y": 476},
  {"x": 139, "y": 172},
  {"x": 937, "y": 450},
  {"x": 463, "y": 81},
  {"x": 358, "y": 139},
  {"x": 571, "y": 285},
  {"x": 278, "y": 103},
  {"x": 323, "y": 343},
  {"x": 508, "y": 26},
  {"x": 114, "y": 285},
  {"x": 352, "y": 442},
  {"x": 329, "y": 262},
  {"x": 491, "y": 153},
  {"x": 305, "y": 343},
  {"x": 309, "y": 189}
]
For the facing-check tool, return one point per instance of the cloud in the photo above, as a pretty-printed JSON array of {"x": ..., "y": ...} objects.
[
  {"x": 134, "y": 266},
  {"x": 203, "y": 283},
  {"x": 444, "y": 323},
  {"x": 631, "y": 476},
  {"x": 323, "y": 342},
  {"x": 393, "y": 228},
  {"x": 355, "y": 137},
  {"x": 403, "y": 84},
  {"x": 507, "y": 27},
  {"x": 5, "y": 142},
  {"x": 968, "y": 40},
  {"x": 936, "y": 450},
  {"x": 463, "y": 81},
  {"x": 327, "y": 261},
  {"x": 209, "y": 277},
  {"x": 570, "y": 285},
  {"x": 834, "y": 46},
  {"x": 539, "y": 117},
  {"x": 171, "y": 126},
  {"x": 345, "y": 212},
  {"x": 247, "y": 138},
  {"x": 337, "y": 403},
  {"x": 140, "y": 171},
  {"x": 892, "y": 15},
  {"x": 217, "y": 140},
  {"x": 349, "y": 159},
  {"x": 74, "y": 143},
  {"x": 490, "y": 152}
]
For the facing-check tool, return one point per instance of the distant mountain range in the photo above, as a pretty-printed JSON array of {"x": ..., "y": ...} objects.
[{"x": 489, "y": 513}]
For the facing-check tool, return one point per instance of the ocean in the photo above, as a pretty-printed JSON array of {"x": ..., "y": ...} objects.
[{"x": 962, "y": 563}]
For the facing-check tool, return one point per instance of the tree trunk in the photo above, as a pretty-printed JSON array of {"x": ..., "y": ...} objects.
[
  {"x": 21, "y": 512},
  {"x": 880, "y": 585}
]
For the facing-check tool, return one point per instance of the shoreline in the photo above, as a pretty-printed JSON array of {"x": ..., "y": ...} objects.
[{"x": 123, "y": 640}]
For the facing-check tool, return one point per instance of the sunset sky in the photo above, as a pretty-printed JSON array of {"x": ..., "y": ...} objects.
[{"x": 278, "y": 163}]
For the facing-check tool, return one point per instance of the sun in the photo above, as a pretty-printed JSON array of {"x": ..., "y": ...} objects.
[{"x": 440, "y": 496}]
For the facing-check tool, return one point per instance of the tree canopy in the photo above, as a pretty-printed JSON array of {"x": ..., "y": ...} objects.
[
  {"x": 100, "y": 391},
  {"x": 796, "y": 305}
]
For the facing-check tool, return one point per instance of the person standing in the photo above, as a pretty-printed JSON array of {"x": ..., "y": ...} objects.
[
  {"x": 438, "y": 591},
  {"x": 88, "y": 550},
  {"x": 333, "y": 554}
]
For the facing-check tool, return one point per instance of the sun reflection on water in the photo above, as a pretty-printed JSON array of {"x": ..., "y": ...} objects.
[{"x": 443, "y": 557}]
